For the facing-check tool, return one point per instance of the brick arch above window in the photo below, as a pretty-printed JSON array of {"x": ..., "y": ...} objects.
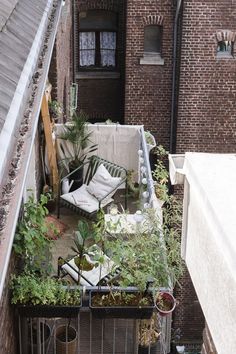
[
  {"x": 153, "y": 20},
  {"x": 225, "y": 35},
  {"x": 98, "y": 5}
]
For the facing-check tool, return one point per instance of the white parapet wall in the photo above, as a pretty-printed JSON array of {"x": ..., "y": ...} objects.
[{"x": 209, "y": 241}]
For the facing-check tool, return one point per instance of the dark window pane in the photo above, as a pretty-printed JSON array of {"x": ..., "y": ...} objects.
[
  {"x": 152, "y": 39},
  {"x": 97, "y": 19}
]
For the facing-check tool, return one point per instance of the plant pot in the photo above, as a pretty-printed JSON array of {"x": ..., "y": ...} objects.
[
  {"x": 77, "y": 178},
  {"x": 48, "y": 311},
  {"x": 120, "y": 311},
  {"x": 166, "y": 303},
  {"x": 66, "y": 340},
  {"x": 45, "y": 333},
  {"x": 152, "y": 349}
]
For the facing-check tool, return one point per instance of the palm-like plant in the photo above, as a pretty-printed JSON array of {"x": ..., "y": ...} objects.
[{"x": 77, "y": 133}]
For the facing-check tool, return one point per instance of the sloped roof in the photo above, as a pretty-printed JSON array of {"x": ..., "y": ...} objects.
[
  {"x": 27, "y": 34},
  {"x": 19, "y": 21}
]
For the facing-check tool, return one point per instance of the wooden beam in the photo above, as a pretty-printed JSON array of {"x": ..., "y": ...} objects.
[{"x": 51, "y": 151}]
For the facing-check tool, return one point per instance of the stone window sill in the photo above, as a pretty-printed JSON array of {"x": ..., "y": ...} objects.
[
  {"x": 151, "y": 59},
  {"x": 97, "y": 75},
  {"x": 224, "y": 55}
]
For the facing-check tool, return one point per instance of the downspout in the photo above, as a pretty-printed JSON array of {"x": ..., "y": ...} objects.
[{"x": 173, "y": 121}]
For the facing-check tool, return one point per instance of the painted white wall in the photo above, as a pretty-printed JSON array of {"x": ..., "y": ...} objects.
[{"x": 208, "y": 241}]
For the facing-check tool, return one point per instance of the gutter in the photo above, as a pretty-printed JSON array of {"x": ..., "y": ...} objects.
[
  {"x": 173, "y": 121},
  {"x": 30, "y": 67}
]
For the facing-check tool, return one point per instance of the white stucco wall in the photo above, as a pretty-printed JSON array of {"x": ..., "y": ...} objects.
[{"x": 209, "y": 241}]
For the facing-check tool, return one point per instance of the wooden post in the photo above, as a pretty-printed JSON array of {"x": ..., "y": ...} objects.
[{"x": 51, "y": 151}]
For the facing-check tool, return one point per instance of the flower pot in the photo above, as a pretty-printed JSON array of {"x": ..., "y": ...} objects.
[
  {"x": 66, "y": 340},
  {"x": 45, "y": 332},
  {"x": 77, "y": 178},
  {"x": 165, "y": 303},
  {"x": 48, "y": 311},
  {"x": 135, "y": 311}
]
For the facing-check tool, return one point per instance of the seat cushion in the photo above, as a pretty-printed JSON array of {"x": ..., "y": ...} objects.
[
  {"x": 84, "y": 200},
  {"x": 103, "y": 183}
]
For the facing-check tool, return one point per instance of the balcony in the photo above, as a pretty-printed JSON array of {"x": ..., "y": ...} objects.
[{"x": 38, "y": 332}]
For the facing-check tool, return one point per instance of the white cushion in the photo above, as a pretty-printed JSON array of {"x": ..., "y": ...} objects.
[
  {"x": 84, "y": 200},
  {"x": 94, "y": 275},
  {"x": 102, "y": 183}
]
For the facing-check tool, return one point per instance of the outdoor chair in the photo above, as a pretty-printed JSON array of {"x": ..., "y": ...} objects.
[{"x": 101, "y": 181}]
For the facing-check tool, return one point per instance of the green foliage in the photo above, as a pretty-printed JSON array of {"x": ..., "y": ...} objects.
[
  {"x": 55, "y": 108},
  {"x": 76, "y": 132},
  {"x": 29, "y": 289},
  {"x": 141, "y": 256},
  {"x": 172, "y": 222},
  {"x": 31, "y": 243},
  {"x": 161, "y": 174}
]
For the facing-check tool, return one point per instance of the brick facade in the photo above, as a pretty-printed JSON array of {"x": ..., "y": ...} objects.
[
  {"x": 8, "y": 323},
  {"x": 103, "y": 98},
  {"x": 207, "y": 92},
  {"x": 148, "y": 87}
]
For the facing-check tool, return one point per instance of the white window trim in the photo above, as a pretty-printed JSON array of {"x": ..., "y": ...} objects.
[{"x": 151, "y": 58}]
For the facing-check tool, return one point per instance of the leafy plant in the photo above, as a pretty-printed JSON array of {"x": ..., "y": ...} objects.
[
  {"x": 149, "y": 331},
  {"x": 76, "y": 132},
  {"x": 141, "y": 256},
  {"x": 31, "y": 242},
  {"x": 29, "y": 289},
  {"x": 161, "y": 174},
  {"x": 55, "y": 108}
]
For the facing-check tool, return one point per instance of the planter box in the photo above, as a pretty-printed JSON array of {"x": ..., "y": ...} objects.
[
  {"x": 136, "y": 312},
  {"x": 48, "y": 311}
]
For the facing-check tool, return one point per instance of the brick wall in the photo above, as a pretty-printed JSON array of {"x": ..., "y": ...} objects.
[
  {"x": 207, "y": 95},
  {"x": 103, "y": 98},
  {"x": 148, "y": 87},
  {"x": 8, "y": 323},
  {"x": 60, "y": 68},
  {"x": 188, "y": 317}
]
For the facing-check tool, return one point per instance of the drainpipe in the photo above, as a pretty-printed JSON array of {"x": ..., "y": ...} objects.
[{"x": 173, "y": 122}]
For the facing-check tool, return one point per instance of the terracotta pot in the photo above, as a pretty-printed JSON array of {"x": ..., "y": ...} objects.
[{"x": 168, "y": 300}]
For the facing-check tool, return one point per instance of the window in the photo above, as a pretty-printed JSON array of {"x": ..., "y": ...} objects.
[
  {"x": 225, "y": 43},
  {"x": 225, "y": 48},
  {"x": 97, "y": 39},
  {"x": 152, "y": 39},
  {"x": 152, "y": 45}
]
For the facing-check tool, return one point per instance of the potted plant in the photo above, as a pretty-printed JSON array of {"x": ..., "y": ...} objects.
[
  {"x": 148, "y": 335},
  {"x": 44, "y": 297},
  {"x": 77, "y": 135},
  {"x": 31, "y": 244},
  {"x": 165, "y": 303}
]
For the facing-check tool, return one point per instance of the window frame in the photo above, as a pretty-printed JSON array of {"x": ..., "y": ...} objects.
[{"x": 97, "y": 65}]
